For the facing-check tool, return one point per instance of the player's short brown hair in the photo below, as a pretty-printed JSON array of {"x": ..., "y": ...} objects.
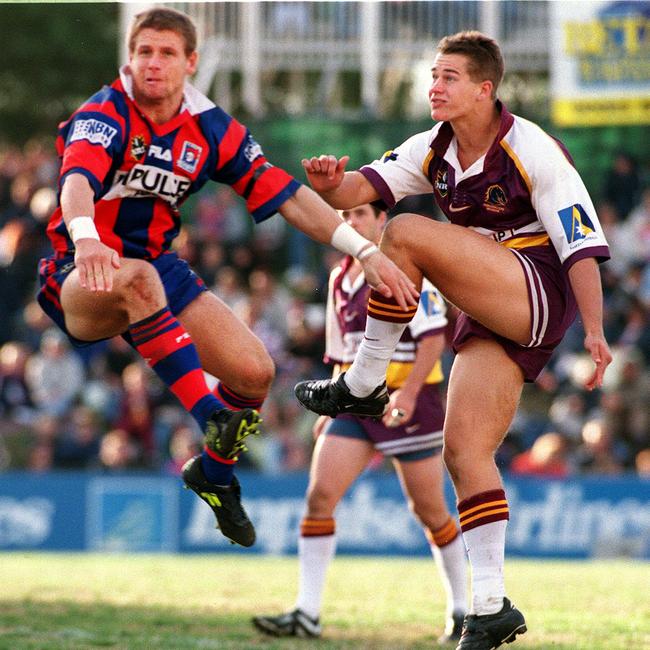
[
  {"x": 163, "y": 18},
  {"x": 483, "y": 54}
]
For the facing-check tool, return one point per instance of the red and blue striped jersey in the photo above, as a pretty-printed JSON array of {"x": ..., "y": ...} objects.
[{"x": 141, "y": 172}]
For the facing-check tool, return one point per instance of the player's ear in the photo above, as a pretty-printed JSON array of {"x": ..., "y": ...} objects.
[
  {"x": 192, "y": 62},
  {"x": 485, "y": 90}
]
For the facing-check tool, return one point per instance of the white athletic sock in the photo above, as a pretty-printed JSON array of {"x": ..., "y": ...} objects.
[
  {"x": 486, "y": 549},
  {"x": 452, "y": 566},
  {"x": 369, "y": 368},
  {"x": 315, "y": 555}
]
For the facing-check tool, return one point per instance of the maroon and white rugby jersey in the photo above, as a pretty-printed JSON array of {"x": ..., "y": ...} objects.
[
  {"x": 524, "y": 192},
  {"x": 347, "y": 304}
]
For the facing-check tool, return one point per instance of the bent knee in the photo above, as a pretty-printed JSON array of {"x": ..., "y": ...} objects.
[
  {"x": 139, "y": 285},
  {"x": 256, "y": 375}
]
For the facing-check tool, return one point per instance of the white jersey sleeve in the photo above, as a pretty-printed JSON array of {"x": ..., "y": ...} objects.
[
  {"x": 558, "y": 194},
  {"x": 431, "y": 314},
  {"x": 334, "y": 349},
  {"x": 402, "y": 169}
]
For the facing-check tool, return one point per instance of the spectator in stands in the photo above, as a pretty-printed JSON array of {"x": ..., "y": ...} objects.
[
  {"x": 642, "y": 463},
  {"x": 117, "y": 451},
  {"x": 54, "y": 374},
  {"x": 597, "y": 454},
  {"x": 77, "y": 447},
  {"x": 622, "y": 184},
  {"x": 15, "y": 397},
  {"x": 545, "y": 459}
]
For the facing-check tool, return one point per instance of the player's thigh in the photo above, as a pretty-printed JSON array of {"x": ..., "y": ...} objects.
[
  {"x": 336, "y": 463},
  {"x": 227, "y": 348},
  {"x": 90, "y": 316},
  {"x": 423, "y": 485},
  {"x": 479, "y": 276},
  {"x": 484, "y": 390}
]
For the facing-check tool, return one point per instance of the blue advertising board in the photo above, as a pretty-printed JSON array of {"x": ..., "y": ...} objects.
[{"x": 578, "y": 518}]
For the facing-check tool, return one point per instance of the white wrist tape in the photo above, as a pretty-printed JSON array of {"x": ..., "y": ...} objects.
[
  {"x": 368, "y": 251},
  {"x": 82, "y": 228},
  {"x": 346, "y": 239}
]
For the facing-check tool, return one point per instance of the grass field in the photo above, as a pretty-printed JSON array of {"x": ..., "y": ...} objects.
[{"x": 55, "y": 601}]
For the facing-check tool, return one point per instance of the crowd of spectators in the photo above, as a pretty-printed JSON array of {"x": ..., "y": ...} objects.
[{"x": 101, "y": 408}]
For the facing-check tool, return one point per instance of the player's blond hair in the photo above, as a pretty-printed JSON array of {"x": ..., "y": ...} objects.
[
  {"x": 163, "y": 18},
  {"x": 482, "y": 52}
]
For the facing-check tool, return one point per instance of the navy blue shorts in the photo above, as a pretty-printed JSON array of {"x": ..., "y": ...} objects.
[
  {"x": 420, "y": 437},
  {"x": 181, "y": 285}
]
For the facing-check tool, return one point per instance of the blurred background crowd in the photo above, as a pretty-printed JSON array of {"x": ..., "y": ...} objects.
[{"x": 101, "y": 408}]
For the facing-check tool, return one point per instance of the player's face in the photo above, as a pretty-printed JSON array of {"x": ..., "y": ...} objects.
[
  {"x": 159, "y": 66},
  {"x": 453, "y": 94},
  {"x": 364, "y": 220}
]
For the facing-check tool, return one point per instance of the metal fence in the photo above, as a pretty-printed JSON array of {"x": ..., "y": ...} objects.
[{"x": 377, "y": 40}]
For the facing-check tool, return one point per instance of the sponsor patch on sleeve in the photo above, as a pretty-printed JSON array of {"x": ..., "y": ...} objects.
[
  {"x": 94, "y": 131},
  {"x": 252, "y": 150},
  {"x": 576, "y": 223}
]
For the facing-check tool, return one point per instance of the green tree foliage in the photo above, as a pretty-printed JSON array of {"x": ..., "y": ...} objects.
[{"x": 53, "y": 57}]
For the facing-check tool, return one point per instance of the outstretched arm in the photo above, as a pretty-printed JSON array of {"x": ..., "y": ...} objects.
[
  {"x": 308, "y": 212},
  {"x": 585, "y": 282}
]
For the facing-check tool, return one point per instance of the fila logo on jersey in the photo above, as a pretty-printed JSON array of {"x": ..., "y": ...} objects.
[
  {"x": 576, "y": 223},
  {"x": 95, "y": 131},
  {"x": 190, "y": 156},
  {"x": 160, "y": 153}
]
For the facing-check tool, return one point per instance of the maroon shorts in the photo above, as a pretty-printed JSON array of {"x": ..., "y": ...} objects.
[
  {"x": 552, "y": 305},
  {"x": 420, "y": 437}
]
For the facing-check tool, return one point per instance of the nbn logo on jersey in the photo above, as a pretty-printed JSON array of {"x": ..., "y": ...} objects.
[{"x": 577, "y": 225}]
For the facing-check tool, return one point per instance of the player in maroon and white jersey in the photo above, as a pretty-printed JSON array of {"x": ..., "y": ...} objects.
[
  {"x": 410, "y": 434},
  {"x": 129, "y": 157},
  {"x": 519, "y": 258}
]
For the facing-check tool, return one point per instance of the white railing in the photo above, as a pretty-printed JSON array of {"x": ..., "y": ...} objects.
[{"x": 380, "y": 40}]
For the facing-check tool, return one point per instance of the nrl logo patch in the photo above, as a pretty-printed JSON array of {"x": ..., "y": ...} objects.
[
  {"x": 441, "y": 182},
  {"x": 138, "y": 147}
]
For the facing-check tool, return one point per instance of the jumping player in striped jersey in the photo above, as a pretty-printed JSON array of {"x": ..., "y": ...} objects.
[
  {"x": 519, "y": 258},
  {"x": 130, "y": 155},
  {"x": 410, "y": 434}
]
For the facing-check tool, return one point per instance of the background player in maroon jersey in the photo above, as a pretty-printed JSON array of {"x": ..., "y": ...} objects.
[
  {"x": 129, "y": 156},
  {"x": 410, "y": 434},
  {"x": 519, "y": 259}
]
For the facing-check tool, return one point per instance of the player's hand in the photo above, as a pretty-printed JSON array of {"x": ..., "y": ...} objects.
[
  {"x": 96, "y": 263},
  {"x": 400, "y": 409},
  {"x": 325, "y": 173},
  {"x": 391, "y": 282},
  {"x": 320, "y": 424},
  {"x": 597, "y": 347}
]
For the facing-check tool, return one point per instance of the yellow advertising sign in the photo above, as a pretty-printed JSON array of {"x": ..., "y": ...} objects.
[
  {"x": 601, "y": 112},
  {"x": 600, "y": 67}
]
